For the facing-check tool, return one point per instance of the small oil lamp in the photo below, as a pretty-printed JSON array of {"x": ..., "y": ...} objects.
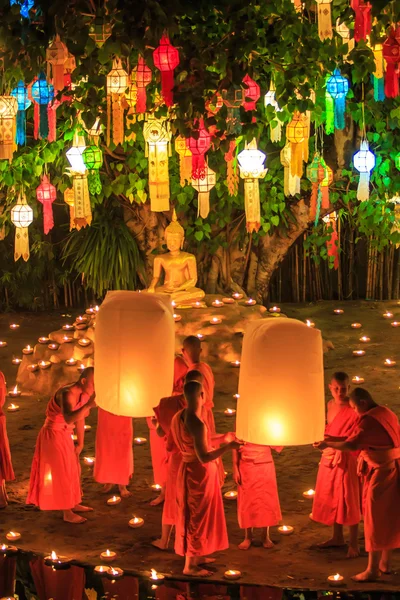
[
  {"x": 286, "y": 529},
  {"x": 136, "y": 522}
]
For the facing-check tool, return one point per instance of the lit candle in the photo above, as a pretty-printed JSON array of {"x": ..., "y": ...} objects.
[
  {"x": 84, "y": 342},
  {"x": 173, "y": 303},
  {"x": 87, "y": 427},
  {"x": 16, "y": 361},
  {"x": 13, "y": 408},
  {"x": 395, "y": 323},
  {"x": 71, "y": 362},
  {"x": 43, "y": 340},
  {"x": 81, "y": 367},
  {"x": 197, "y": 304},
  {"x": 139, "y": 441},
  {"x": 250, "y": 302},
  {"x": 237, "y": 296},
  {"x": 228, "y": 300},
  {"x": 387, "y": 315},
  {"x": 286, "y": 530},
  {"x": 101, "y": 570},
  {"x": 6, "y": 550},
  {"x": 14, "y": 326},
  {"x": 67, "y": 327},
  {"x": 235, "y": 363},
  {"x": 217, "y": 303},
  {"x": 389, "y": 362},
  {"x": 44, "y": 364},
  {"x": 156, "y": 576},
  {"x": 156, "y": 487},
  {"x": 114, "y": 573},
  {"x": 309, "y": 494},
  {"x": 74, "y": 437},
  {"x": 114, "y": 500},
  {"x": 232, "y": 574},
  {"x": 14, "y": 393},
  {"x": 357, "y": 379},
  {"x": 3, "y": 344},
  {"x": 200, "y": 336},
  {"x": 358, "y": 352},
  {"x": 96, "y": 308},
  {"x": 108, "y": 555},
  {"x": 338, "y": 311},
  {"x": 88, "y": 460},
  {"x": 89, "y": 311},
  {"x": 365, "y": 339},
  {"x": 275, "y": 309},
  {"x": 232, "y": 495},
  {"x": 32, "y": 368},
  {"x": 310, "y": 323},
  {"x": 54, "y": 346},
  {"x": 67, "y": 339},
  {"x": 27, "y": 350},
  {"x": 336, "y": 580},
  {"x": 236, "y": 396},
  {"x": 356, "y": 325},
  {"x": 13, "y": 536},
  {"x": 230, "y": 412},
  {"x": 177, "y": 317},
  {"x": 55, "y": 560},
  {"x": 80, "y": 318},
  {"x": 136, "y": 522},
  {"x": 215, "y": 320}
]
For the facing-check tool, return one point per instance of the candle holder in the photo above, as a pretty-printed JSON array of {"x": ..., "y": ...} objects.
[
  {"x": 139, "y": 441},
  {"x": 84, "y": 342},
  {"x": 338, "y": 311},
  {"x": 357, "y": 379},
  {"x": 177, "y": 317},
  {"x": 14, "y": 393},
  {"x": 286, "y": 529},
  {"x": 53, "y": 346},
  {"x": 16, "y": 361},
  {"x": 67, "y": 339},
  {"x": 310, "y": 323},
  {"x": 14, "y": 326},
  {"x": 232, "y": 495},
  {"x": 197, "y": 304},
  {"x": 156, "y": 487},
  {"x": 27, "y": 350},
  {"x": 114, "y": 500},
  {"x": 235, "y": 364},
  {"x": 3, "y": 344},
  {"x": 13, "y": 536},
  {"x": 236, "y": 396},
  {"x": 250, "y": 302},
  {"x": 56, "y": 562},
  {"x": 68, "y": 327},
  {"x": 230, "y": 412},
  {"x": 237, "y": 296},
  {"x": 217, "y": 303},
  {"x": 336, "y": 580},
  {"x": 215, "y": 321},
  {"x": 101, "y": 570},
  {"x": 43, "y": 340},
  {"x": 389, "y": 363},
  {"x": 114, "y": 573},
  {"x": 365, "y": 339},
  {"x": 356, "y": 325},
  {"x": 228, "y": 300},
  {"x": 81, "y": 368},
  {"x": 108, "y": 555},
  {"x": 395, "y": 323},
  {"x": 71, "y": 362},
  {"x": 7, "y": 550},
  {"x": 309, "y": 494},
  {"x": 154, "y": 576},
  {"x": 44, "y": 364},
  {"x": 136, "y": 522},
  {"x": 13, "y": 407},
  {"x": 358, "y": 353},
  {"x": 387, "y": 315},
  {"x": 33, "y": 367},
  {"x": 89, "y": 460},
  {"x": 87, "y": 427},
  {"x": 90, "y": 311},
  {"x": 232, "y": 574},
  {"x": 274, "y": 309}
]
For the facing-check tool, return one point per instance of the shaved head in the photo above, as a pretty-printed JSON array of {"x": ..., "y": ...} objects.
[
  {"x": 193, "y": 393},
  {"x": 192, "y": 348},
  {"x": 194, "y": 375}
]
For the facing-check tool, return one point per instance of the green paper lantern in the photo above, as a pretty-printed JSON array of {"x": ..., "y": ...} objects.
[{"x": 93, "y": 160}]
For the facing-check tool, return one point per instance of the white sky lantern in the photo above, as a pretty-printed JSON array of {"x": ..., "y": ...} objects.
[
  {"x": 135, "y": 347},
  {"x": 251, "y": 163},
  {"x": 281, "y": 384}
]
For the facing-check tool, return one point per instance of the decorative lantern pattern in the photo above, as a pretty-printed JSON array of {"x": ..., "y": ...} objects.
[
  {"x": 100, "y": 30},
  {"x": 275, "y": 132},
  {"x": 75, "y": 154},
  {"x": 93, "y": 160},
  {"x": 378, "y": 75},
  {"x": 21, "y": 94},
  {"x": 324, "y": 19},
  {"x": 316, "y": 173},
  {"x": 297, "y": 136},
  {"x": 364, "y": 162},
  {"x": 251, "y": 163},
  {"x": 198, "y": 146},
  {"x": 252, "y": 91},
  {"x": 291, "y": 183},
  {"x": 117, "y": 82},
  {"x": 332, "y": 245},
  {"x": 204, "y": 185},
  {"x": 232, "y": 172},
  {"x": 22, "y": 217},
  {"x": 131, "y": 98},
  {"x": 56, "y": 56},
  {"x": 337, "y": 88},
  {"x": 46, "y": 193},
  {"x": 166, "y": 59},
  {"x": 157, "y": 136},
  {"x": 185, "y": 160},
  {"x": 391, "y": 53},
  {"x": 143, "y": 78},
  {"x": 82, "y": 208},
  {"x": 42, "y": 95},
  {"x": 8, "y": 126},
  {"x": 69, "y": 198},
  {"x": 363, "y": 21}
]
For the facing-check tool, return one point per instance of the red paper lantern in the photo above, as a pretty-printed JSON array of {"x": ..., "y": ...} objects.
[
  {"x": 166, "y": 59},
  {"x": 252, "y": 91},
  {"x": 143, "y": 78},
  {"x": 198, "y": 146},
  {"x": 363, "y": 20},
  {"x": 391, "y": 53},
  {"x": 46, "y": 193}
]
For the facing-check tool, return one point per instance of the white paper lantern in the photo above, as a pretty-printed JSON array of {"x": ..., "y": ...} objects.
[
  {"x": 364, "y": 162},
  {"x": 134, "y": 358},
  {"x": 281, "y": 384},
  {"x": 22, "y": 217}
]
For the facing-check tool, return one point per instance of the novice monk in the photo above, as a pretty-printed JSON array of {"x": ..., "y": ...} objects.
[
  {"x": 200, "y": 523},
  {"x": 258, "y": 501},
  {"x": 337, "y": 492},
  {"x": 6, "y": 469},
  {"x": 55, "y": 474},
  {"x": 377, "y": 435},
  {"x": 114, "y": 454}
]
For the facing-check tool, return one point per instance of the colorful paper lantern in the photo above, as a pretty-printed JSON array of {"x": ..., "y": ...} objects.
[
  {"x": 157, "y": 136},
  {"x": 204, "y": 185},
  {"x": 100, "y": 30},
  {"x": 75, "y": 154},
  {"x": 143, "y": 78},
  {"x": 251, "y": 163},
  {"x": 117, "y": 83},
  {"x": 93, "y": 159},
  {"x": 275, "y": 131},
  {"x": 297, "y": 136},
  {"x": 199, "y": 144},
  {"x": 131, "y": 98},
  {"x": 166, "y": 59},
  {"x": 324, "y": 185},
  {"x": 129, "y": 329},
  {"x": 291, "y": 183},
  {"x": 25, "y": 7},
  {"x": 364, "y": 162},
  {"x": 185, "y": 160},
  {"x": 46, "y": 193},
  {"x": 232, "y": 172},
  {"x": 332, "y": 245},
  {"x": 337, "y": 87},
  {"x": 56, "y": 56},
  {"x": 42, "y": 95},
  {"x": 21, "y": 94},
  {"x": 378, "y": 76},
  {"x": 316, "y": 173},
  {"x": 251, "y": 93},
  {"x": 391, "y": 54},
  {"x": 233, "y": 98},
  {"x": 363, "y": 21},
  {"x": 8, "y": 126},
  {"x": 82, "y": 208},
  {"x": 324, "y": 19},
  {"x": 69, "y": 198},
  {"x": 278, "y": 406},
  {"x": 21, "y": 217}
]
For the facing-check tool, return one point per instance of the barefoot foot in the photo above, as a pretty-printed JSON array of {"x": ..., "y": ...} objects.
[
  {"x": 160, "y": 544},
  {"x": 79, "y": 508},
  {"x": 245, "y": 545},
  {"x": 385, "y": 568},
  {"x": 332, "y": 543},
  {"x": 194, "y": 572},
  {"x": 366, "y": 576},
  {"x": 158, "y": 500},
  {"x": 206, "y": 561},
  {"x": 268, "y": 543},
  {"x": 353, "y": 552},
  {"x": 125, "y": 493},
  {"x": 70, "y": 517},
  {"x": 107, "y": 488}
]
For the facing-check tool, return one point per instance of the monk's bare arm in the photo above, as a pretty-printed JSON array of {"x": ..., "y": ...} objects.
[
  {"x": 235, "y": 464},
  {"x": 343, "y": 446},
  {"x": 67, "y": 407},
  {"x": 80, "y": 434},
  {"x": 199, "y": 433}
]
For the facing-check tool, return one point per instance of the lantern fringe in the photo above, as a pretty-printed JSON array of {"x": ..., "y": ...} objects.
[
  {"x": 318, "y": 207},
  {"x": 21, "y": 244},
  {"x": 391, "y": 81},
  {"x": 324, "y": 21},
  {"x": 330, "y": 113},
  {"x": 167, "y": 85},
  {"x": 276, "y": 132},
  {"x": 20, "y": 136},
  {"x": 333, "y": 247},
  {"x": 296, "y": 162},
  {"x": 36, "y": 119},
  {"x": 94, "y": 182},
  {"x": 363, "y": 187},
  {"x": 379, "y": 88},
  {"x": 117, "y": 120},
  {"x": 52, "y": 119},
  {"x": 232, "y": 172},
  {"x": 185, "y": 170},
  {"x": 203, "y": 204},
  {"x": 340, "y": 109}
]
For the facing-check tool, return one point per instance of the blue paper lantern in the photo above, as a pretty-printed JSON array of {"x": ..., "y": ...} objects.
[
  {"x": 25, "y": 6},
  {"x": 337, "y": 87},
  {"x": 42, "y": 94},
  {"x": 21, "y": 94}
]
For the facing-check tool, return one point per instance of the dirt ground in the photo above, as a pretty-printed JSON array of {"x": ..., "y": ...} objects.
[{"x": 294, "y": 562}]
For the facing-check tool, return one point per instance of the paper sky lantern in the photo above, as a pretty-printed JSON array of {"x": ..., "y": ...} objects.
[
  {"x": 364, "y": 162},
  {"x": 337, "y": 88},
  {"x": 166, "y": 59},
  {"x": 20, "y": 93},
  {"x": 199, "y": 144},
  {"x": 117, "y": 83},
  {"x": 251, "y": 162},
  {"x": 324, "y": 19},
  {"x": 281, "y": 384},
  {"x": 135, "y": 347},
  {"x": 251, "y": 92},
  {"x": 42, "y": 94},
  {"x": 204, "y": 185},
  {"x": 56, "y": 56},
  {"x": 185, "y": 160},
  {"x": 363, "y": 21},
  {"x": 291, "y": 183},
  {"x": 22, "y": 217},
  {"x": 275, "y": 132},
  {"x": 46, "y": 193},
  {"x": 157, "y": 136},
  {"x": 100, "y": 30},
  {"x": 8, "y": 126},
  {"x": 93, "y": 159},
  {"x": 297, "y": 136},
  {"x": 391, "y": 54}
]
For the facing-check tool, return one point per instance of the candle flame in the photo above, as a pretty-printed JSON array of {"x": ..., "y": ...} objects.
[
  {"x": 15, "y": 390},
  {"x": 237, "y": 396},
  {"x": 336, "y": 577},
  {"x": 42, "y": 363},
  {"x": 13, "y": 405},
  {"x": 82, "y": 366},
  {"x": 285, "y": 528},
  {"x": 53, "y": 555},
  {"x": 114, "y": 498},
  {"x": 12, "y": 534},
  {"x": 108, "y": 553},
  {"x": 154, "y": 574},
  {"x": 28, "y": 347},
  {"x": 310, "y": 492},
  {"x": 102, "y": 569},
  {"x": 96, "y": 308},
  {"x": 114, "y": 571},
  {"x": 4, "y": 547}
]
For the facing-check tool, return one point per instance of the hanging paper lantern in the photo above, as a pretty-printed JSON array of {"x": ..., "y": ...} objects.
[
  {"x": 198, "y": 146},
  {"x": 56, "y": 56},
  {"x": 46, "y": 193},
  {"x": 100, "y": 30},
  {"x": 252, "y": 91},
  {"x": 166, "y": 59},
  {"x": 337, "y": 87},
  {"x": 316, "y": 173},
  {"x": 157, "y": 136},
  {"x": 324, "y": 19},
  {"x": 213, "y": 105},
  {"x": 344, "y": 32},
  {"x": 25, "y": 7},
  {"x": 93, "y": 159},
  {"x": 298, "y": 5},
  {"x": 233, "y": 99},
  {"x": 143, "y": 78},
  {"x": 297, "y": 135},
  {"x": 95, "y": 131},
  {"x": 332, "y": 244},
  {"x": 251, "y": 163},
  {"x": 324, "y": 185},
  {"x": 232, "y": 172},
  {"x": 21, "y": 94},
  {"x": 69, "y": 198},
  {"x": 75, "y": 154},
  {"x": 82, "y": 208},
  {"x": 391, "y": 53},
  {"x": 275, "y": 132},
  {"x": 378, "y": 75},
  {"x": 291, "y": 183},
  {"x": 8, "y": 126},
  {"x": 185, "y": 160},
  {"x": 204, "y": 185},
  {"x": 22, "y": 217},
  {"x": 363, "y": 21},
  {"x": 364, "y": 162},
  {"x": 117, "y": 82},
  {"x": 42, "y": 95}
]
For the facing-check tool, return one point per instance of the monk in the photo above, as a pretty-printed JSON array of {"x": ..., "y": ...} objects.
[
  {"x": 200, "y": 522},
  {"x": 6, "y": 468},
  {"x": 258, "y": 501},
  {"x": 377, "y": 436},
  {"x": 337, "y": 492},
  {"x": 114, "y": 454},
  {"x": 55, "y": 473}
]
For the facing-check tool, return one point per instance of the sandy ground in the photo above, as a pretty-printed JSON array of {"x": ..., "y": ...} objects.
[{"x": 294, "y": 562}]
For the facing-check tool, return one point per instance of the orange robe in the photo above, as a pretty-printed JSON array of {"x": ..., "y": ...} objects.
[
  {"x": 337, "y": 491},
  {"x": 159, "y": 457},
  {"x": 55, "y": 472},
  {"x": 8, "y": 572},
  {"x": 258, "y": 500},
  {"x": 378, "y": 435},
  {"x": 200, "y": 524},
  {"x": 6, "y": 468},
  {"x": 114, "y": 454}
]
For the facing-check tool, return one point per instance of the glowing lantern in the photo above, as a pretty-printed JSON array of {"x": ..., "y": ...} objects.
[
  {"x": 363, "y": 21},
  {"x": 251, "y": 163},
  {"x": 25, "y": 7},
  {"x": 332, "y": 244},
  {"x": 185, "y": 159},
  {"x": 131, "y": 327},
  {"x": 95, "y": 131},
  {"x": 252, "y": 91},
  {"x": 93, "y": 159},
  {"x": 157, "y": 136},
  {"x": 324, "y": 185},
  {"x": 281, "y": 384},
  {"x": 143, "y": 78},
  {"x": 316, "y": 173},
  {"x": 324, "y": 19},
  {"x": 75, "y": 154},
  {"x": 69, "y": 198},
  {"x": 232, "y": 173},
  {"x": 56, "y": 55},
  {"x": 21, "y": 94},
  {"x": 42, "y": 95},
  {"x": 46, "y": 193},
  {"x": 204, "y": 185},
  {"x": 275, "y": 132},
  {"x": 291, "y": 183},
  {"x": 22, "y": 217},
  {"x": 297, "y": 136},
  {"x": 166, "y": 59},
  {"x": 117, "y": 82},
  {"x": 391, "y": 54},
  {"x": 198, "y": 146},
  {"x": 337, "y": 88},
  {"x": 378, "y": 75},
  {"x": 100, "y": 30},
  {"x": 82, "y": 208},
  {"x": 8, "y": 113},
  {"x": 233, "y": 99},
  {"x": 364, "y": 162}
]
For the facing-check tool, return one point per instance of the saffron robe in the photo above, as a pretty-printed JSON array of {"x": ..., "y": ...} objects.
[
  {"x": 159, "y": 457},
  {"x": 6, "y": 468},
  {"x": 114, "y": 454},
  {"x": 55, "y": 473},
  {"x": 258, "y": 500},
  {"x": 200, "y": 524},
  {"x": 378, "y": 435},
  {"x": 337, "y": 491}
]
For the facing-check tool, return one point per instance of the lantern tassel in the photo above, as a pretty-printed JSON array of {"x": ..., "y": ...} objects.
[
  {"x": 330, "y": 113},
  {"x": 391, "y": 81},
  {"x": 324, "y": 21},
  {"x": 379, "y": 88},
  {"x": 21, "y": 245},
  {"x": 198, "y": 166},
  {"x": 43, "y": 122},
  {"x": 252, "y": 204},
  {"x": 296, "y": 162},
  {"x": 21, "y": 128},
  {"x": 203, "y": 201},
  {"x": 48, "y": 220},
  {"x": 36, "y": 119},
  {"x": 167, "y": 85},
  {"x": 141, "y": 100},
  {"x": 363, "y": 187},
  {"x": 333, "y": 248},
  {"x": 118, "y": 120},
  {"x": 340, "y": 109},
  {"x": 108, "y": 120},
  {"x": 318, "y": 209},
  {"x": 52, "y": 118},
  {"x": 276, "y": 132}
]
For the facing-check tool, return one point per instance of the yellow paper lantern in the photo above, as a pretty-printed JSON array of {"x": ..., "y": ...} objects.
[
  {"x": 297, "y": 134},
  {"x": 251, "y": 164},
  {"x": 157, "y": 136},
  {"x": 204, "y": 185},
  {"x": 281, "y": 384},
  {"x": 8, "y": 125},
  {"x": 135, "y": 345},
  {"x": 117, "y": 83}
]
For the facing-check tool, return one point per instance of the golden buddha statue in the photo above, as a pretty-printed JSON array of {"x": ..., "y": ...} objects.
[{"x": 180, "y": 269}]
